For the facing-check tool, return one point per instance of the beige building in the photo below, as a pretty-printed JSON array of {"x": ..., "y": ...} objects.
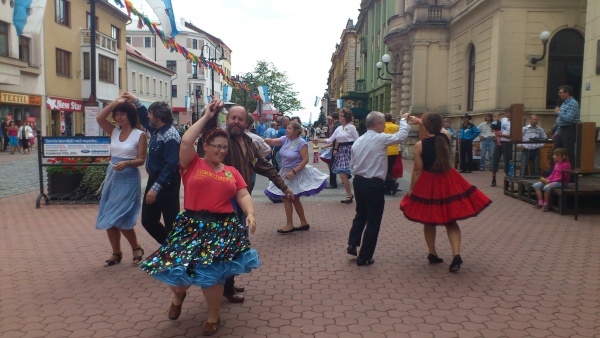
[
  {"x": 67, "y": 60},
  {"x": 475, "y": 56},
  {"x": 21, "y": 75}
]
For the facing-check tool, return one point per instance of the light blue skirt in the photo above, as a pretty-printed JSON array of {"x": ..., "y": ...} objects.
[{"x": 121, "y": 198}]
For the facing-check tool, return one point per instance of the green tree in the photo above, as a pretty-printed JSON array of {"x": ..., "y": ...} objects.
[{"x": 280, "y": 89}]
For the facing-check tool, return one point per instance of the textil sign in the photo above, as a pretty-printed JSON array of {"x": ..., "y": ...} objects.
[
  {"x": 54, "y": 103},
  {"x": 20, "y": 99}
]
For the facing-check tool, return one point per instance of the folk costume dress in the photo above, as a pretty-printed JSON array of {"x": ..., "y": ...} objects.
[
  {"x": 440, "y": 198},
  {"x": 121, "y": 197},
  {"x": 345, "y": 137},
  {"x": 208, "y": 244},
  {"x": 306, "y": 182}
]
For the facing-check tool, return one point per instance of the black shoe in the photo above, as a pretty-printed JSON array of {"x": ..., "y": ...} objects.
[
  {"x": 277, "y": 201},
  {"x": 283, "y": 232},
  {"x": 331, "y": 187},
  {"x": 388, "y": 192},
  {"x": 361, "y": 262},
  {"x": 348, "y": 200},
  {"x": 434, "y": 259},
  {"x": 349, "y": 176},
  {"x": 302, "y": 228},
  {"x": 493, "y": 182},
  {"x": 456, "y": 262},
  {"x": 351, "y": 250}
]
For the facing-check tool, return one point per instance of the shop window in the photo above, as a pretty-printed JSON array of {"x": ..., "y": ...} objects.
[
  {"x": 4, "y": 29},
  {"x": 24, "y": 48},
  {"x": 86, "y": 66},
  {"x": 565, "y": 65},
  {"x": 63, "y": 63},
  {"x": 106, "y": 69},
  {"x": 62, "y": 12},
  {"x": 471, "y": 79}
]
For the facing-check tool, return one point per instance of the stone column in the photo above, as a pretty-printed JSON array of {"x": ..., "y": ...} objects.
[
  {"x": 419, "y": 81},
  {"x": 406, "y": 83}
]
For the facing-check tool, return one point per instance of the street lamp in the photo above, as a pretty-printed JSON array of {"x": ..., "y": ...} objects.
[
  {"x": 212, "y": 71},
  {"x": 386, "y": 58},
  {"x": 240, "y": 78},
  {"x": 196, "y": 115},
  {"x": 544, "y": 37}
]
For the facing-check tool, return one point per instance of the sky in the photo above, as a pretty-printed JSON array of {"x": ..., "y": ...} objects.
[{"x": 299, "y": 37}]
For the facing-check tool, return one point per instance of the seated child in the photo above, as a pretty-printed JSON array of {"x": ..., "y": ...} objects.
[{"x": 555, "y": 180}]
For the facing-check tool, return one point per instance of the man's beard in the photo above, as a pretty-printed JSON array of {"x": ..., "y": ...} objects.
[
  {"x": 235, "y": 132},
  {"x": 152, "y": 123}
]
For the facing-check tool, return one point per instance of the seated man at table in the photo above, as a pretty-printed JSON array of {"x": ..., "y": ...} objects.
[{"x": 531, "y": 151}]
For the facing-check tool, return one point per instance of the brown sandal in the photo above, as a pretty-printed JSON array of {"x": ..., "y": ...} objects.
[
  {"x": 211, "y": 328},
  {"x": 175, "y": 310}
]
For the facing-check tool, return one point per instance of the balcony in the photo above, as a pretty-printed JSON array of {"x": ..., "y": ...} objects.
[{"x": 102, "y": 41}]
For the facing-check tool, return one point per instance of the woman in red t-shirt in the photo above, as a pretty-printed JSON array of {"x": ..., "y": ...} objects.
[{"x": 208, "y": 244}]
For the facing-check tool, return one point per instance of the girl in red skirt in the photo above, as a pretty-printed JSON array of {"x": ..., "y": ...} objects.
[{"x": 438, "y": 194}]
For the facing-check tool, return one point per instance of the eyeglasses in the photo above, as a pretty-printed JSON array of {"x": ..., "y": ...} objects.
[{"x": 219, "y": 147}]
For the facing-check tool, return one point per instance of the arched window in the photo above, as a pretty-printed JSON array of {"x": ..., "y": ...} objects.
[
  {"x": 565, "y": 65},
  {"x": 471, "y": 79}
]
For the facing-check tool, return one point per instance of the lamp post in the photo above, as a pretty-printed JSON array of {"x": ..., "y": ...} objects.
[
  {"x": 385, "y": 59},
  {"x": 196, "y": 115},
  {"x": 544, "y": 37},
  {"x": 241, "y": 79},
  {"x": 213, "y": 58}
]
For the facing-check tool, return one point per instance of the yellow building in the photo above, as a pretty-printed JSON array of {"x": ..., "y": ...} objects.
[{"x": 67, "y": 62}]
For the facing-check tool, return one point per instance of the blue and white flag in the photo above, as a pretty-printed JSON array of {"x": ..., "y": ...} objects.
[
  {"x": 264, "y": 93},
  {"x": 164, "y": 11},
  {"x": 316, "y": 100},
  {"x": 227, "y": 91},
  {"x": 28, "y": 16},
  {"x": 340, "y": 103}
]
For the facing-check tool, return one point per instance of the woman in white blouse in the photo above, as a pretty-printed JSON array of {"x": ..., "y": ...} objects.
[{"x": 344, "y": 136}]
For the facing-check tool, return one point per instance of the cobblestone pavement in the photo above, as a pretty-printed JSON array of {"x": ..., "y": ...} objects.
[
  {"x": 525, "y": 274},
  {"x": 18, "y": 174}
]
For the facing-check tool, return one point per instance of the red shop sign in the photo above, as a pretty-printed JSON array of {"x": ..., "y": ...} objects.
[{"x": 54, "y": 103}]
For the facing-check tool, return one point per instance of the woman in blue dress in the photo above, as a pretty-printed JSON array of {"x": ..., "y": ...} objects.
[{"x": 120, "y": 202}]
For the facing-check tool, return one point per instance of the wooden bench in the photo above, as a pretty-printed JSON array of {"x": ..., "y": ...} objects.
[{"x": 589, "y": 194}]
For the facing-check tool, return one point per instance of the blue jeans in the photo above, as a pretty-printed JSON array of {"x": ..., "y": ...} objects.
[
  {"x": 487, "y": 148},
  {"x": 547, "y": 187},
  {"x": 530, "y": 155}
]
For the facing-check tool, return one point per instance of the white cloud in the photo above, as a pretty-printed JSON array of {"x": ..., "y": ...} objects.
[{"x": 299, "y": 37}]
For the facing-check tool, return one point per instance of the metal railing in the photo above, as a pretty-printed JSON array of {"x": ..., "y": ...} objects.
[{"x": 102, "y": 41}]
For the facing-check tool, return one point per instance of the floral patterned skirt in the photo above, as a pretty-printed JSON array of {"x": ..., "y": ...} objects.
[{"x": 203, "y": 249}]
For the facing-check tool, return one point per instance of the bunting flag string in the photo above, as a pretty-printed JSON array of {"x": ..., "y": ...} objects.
[{"x": 173, "y": 46}]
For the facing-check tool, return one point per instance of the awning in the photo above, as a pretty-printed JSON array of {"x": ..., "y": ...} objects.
[{"x": 360, "y": 112}]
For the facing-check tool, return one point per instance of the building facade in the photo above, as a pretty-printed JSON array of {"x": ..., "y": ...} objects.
[
  {"x": 67, "y": 58},
  {"x": 475, "y": 56},
  {"x": 21, "y": 72},
  {"x": 147, "y": 79},
  {"x": 193, "y": 84}
]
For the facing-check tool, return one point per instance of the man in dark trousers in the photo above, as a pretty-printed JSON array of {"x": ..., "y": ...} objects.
[
  {"x": 568, "y": 116},
  {"x": 333, "y": 126},
  {"x": 245, "y": 157},
  {"x": 162, "y": 165},
  {"x": 369, "y": 167},
  {"x": 468, "y": 132}
]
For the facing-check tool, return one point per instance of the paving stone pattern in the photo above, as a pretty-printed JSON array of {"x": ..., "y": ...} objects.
[{"x": 525, "y": 274}]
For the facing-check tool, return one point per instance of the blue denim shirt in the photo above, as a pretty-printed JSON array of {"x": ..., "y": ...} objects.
[
  {"x": 468, "y": 132},
  {"x": 163, "y": 150},
  {"x": 569, "y": 113}
]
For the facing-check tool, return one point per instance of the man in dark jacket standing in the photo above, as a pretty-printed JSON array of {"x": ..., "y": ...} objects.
[{"x": 162, "y": 165}]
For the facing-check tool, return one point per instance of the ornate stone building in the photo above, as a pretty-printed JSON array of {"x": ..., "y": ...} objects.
[{"x": 475, "y": 56}]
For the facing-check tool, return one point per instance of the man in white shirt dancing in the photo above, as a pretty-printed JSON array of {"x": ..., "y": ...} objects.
[{"x": 369, "y": 167}]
